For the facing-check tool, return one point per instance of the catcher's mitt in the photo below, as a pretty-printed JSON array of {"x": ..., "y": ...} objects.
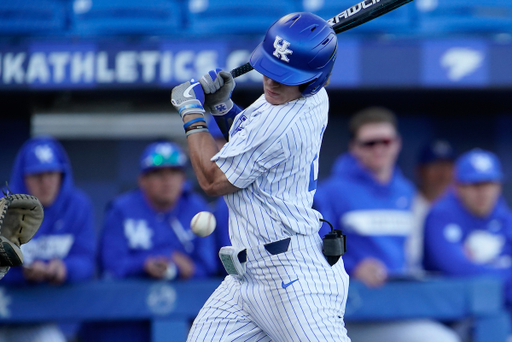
[{"x": 20, "y": 218}]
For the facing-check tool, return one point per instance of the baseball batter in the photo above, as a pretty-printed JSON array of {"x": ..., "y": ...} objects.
[{"x": 280, "y": 286}]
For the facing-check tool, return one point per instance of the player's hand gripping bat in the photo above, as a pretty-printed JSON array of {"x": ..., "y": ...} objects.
[{"x": 354, "y": 16}]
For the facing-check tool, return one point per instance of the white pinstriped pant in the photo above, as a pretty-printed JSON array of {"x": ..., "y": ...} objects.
[{"x": 269, "y": 304}]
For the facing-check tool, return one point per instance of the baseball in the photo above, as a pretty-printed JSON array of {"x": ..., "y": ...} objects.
[{"x": 203, "y": 223}]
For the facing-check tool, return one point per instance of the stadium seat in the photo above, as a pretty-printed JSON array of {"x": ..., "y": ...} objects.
[
  {"x": 235, "y": 17},
  {"x": 398, "y": 21},
  {"x": 92, "y": 18},
  {"x": 464, "y": 16},
  {"x": 29, "y": 17}
]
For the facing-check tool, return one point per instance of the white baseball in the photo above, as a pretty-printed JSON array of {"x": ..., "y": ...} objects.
[{"x": 203, "y": 223}]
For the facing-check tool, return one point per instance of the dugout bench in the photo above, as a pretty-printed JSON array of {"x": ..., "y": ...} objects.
[{"x": 172, "y": 306}]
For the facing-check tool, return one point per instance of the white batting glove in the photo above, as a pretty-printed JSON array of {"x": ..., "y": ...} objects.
[
  {"x": 188, "y": 98},
  {"x": 218, "y": 86}
]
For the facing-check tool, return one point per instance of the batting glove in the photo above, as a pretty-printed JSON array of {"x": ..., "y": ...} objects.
[
  {"x": 188, "y": 98},
  {"x": 218, "y": 86}
]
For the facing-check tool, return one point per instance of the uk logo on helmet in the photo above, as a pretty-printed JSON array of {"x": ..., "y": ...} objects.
[{"x": 281, "y": 49}]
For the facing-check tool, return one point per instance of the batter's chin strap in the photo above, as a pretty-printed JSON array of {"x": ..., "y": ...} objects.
[{"x": 334, "y": 244}]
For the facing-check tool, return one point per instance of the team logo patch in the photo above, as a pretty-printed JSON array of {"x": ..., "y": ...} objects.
[
  {"x": 44, "y": 153},
  {"x": 482, "y": 162},
  {"x": 281, "y": 49}
]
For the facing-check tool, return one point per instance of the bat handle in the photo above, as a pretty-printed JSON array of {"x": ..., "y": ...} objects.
[{"x": 241, "y": 70}]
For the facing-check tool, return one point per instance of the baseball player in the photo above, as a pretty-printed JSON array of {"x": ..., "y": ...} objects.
[
  {"x": 280, "y": 286},
  {"x": 468, "y": 231}
]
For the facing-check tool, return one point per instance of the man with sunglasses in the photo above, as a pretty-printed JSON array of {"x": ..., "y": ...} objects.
[{"x": 369, "y": 199}]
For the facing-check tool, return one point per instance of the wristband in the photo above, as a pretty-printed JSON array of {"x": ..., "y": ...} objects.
[
  {"x": 199, "y": 129},
  {"x": 193, "y": 121},
  {"x": 196, "y": 127}
]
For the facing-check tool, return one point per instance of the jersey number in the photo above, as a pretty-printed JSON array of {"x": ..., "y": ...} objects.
[{"x": 313, "y": 174}]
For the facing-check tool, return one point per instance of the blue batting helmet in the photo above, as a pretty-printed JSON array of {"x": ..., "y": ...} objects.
[{"x": 300, "y": 48}]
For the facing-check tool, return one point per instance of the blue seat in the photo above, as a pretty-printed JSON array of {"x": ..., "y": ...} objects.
[
  {"x": 398, "y": 21},
  {"x": 29, "y": 17},
  {"x": 464, "y": 16},
  {"x": 235, "y": 17},
  {"x": 93, "y": 18}
]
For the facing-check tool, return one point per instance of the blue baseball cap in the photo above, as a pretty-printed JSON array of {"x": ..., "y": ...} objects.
[
  {"x": 42, "y": 155},
  {"x": 162, "y": 155},
  {"x": 478, "y": 166},
  {"x": 437, "y": 150}
]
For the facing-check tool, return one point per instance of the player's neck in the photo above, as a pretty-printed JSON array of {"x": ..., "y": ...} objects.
[
  {"x": 383, "y": 175},
  {"x": 160, "y": 206},
  {"x": 431, "y": 193}
]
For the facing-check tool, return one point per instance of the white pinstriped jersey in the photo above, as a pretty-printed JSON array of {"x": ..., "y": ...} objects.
[
  {"x": 272, "y": 155},
  {"x": 292, "y": 295}
]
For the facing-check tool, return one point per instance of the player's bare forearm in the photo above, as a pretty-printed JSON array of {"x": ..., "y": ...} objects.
[{"x": 202, "y": 148}]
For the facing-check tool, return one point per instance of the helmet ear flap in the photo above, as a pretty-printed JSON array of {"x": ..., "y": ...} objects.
[{"x": 303, "y": 86}]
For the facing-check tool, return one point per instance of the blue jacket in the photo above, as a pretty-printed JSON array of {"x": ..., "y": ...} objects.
[
  {"x": 458, "y": 243},
  {"x": 376, "y": 218},
  {"x": 133, "y": 231},
  {"x": 67, "y": 231}
]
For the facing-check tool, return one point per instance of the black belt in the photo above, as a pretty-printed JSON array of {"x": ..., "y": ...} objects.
[{"x": 273, "y": 248}]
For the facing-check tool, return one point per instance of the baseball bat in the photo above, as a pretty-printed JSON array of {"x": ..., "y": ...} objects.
[{"x": 354, "y": 16}]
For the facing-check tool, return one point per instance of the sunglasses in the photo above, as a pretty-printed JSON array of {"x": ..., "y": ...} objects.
[{"x": 372, "y": 143}]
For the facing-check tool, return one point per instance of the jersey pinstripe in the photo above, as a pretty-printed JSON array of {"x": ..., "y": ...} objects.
[{"x": 273, "y": 154}]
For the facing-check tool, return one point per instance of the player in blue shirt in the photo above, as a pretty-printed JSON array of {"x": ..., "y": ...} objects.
[
  {"x": 147, "y": 231},
  {"x": 369, "y": 199},
  {"x": 146, "y": 234},
  {"x": 63, "y": 249},
  {"x": 468, "y": 232}
]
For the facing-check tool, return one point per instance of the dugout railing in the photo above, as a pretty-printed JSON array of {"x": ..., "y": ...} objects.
[{"x": 171, "y": 306}]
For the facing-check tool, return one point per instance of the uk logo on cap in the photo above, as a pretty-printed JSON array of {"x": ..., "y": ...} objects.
[
  {"x": 44, "y": 153},
  {"x": 481, "y": 162},
  {"x": 164, "y": 149},
  {"x": 478, "y": 166}
]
